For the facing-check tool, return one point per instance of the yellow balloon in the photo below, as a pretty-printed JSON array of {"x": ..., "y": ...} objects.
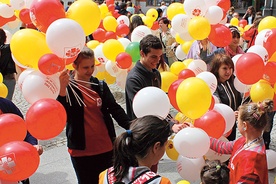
[
  {"x": 86, "y": 13},
  {"x": 110, "y": 23},
  {"x": 16, "y": 13},
  {"x": 171, "y": 151},
  {"x": 3, "y": 90},
  {"x": 183, "y": 182},
  {"x": 241, "y": 30},
  {"x": 92, "y": 44},
  {"x": 148, "y": 21},
  {"x": 25, "y": 53},
  {"x": 111, "y": 48},
  {"x": 174, "y": 9},
  {"x": 182, "y": 118},
  {"x": 1, "y": 78},
  {"x": 177, "y": 67},
  {"x": 108, "y": 78},
  {"x": 234, "y": 21},
  {"x": 261, "y": 90},
  {"x": 193, "y": 97},
  {"x": 178, "y": 39},
  {"x": 247, "y": 27},
  {"x": 5, "y": 1},
  {"x": 141, "y": 15},
  {"x": 187, "y": 61},
  {"x": 100, "y": 75},
  {"x": 268, "y": 22},
  {"x": 199, "y": 28},
  {"x": 186, "y": 46},
  {"x": 104, "y": 10},
  {"x": 70, "y": 67},
  {"x": 152, "y": 14},
  {"x": 167, "y": 79}
]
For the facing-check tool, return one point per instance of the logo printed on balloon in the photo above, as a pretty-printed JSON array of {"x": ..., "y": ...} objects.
[
  {"x": 267, "y": 34},
  {"x": 196, "y": 12},
  {"x": 7, "y": 164},
  {"x": 33, "y": 17},
  {"x": 51, "y": 85},
  {"x": 73, "y": 51}
]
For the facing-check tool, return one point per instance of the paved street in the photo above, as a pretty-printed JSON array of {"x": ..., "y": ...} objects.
[{"x": 55, "y": 165}]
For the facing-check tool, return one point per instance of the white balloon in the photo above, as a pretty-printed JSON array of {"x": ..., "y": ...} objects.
[
  {"x": 186, "y": 36},
  {"x": 22, "y": 77},
  {"x": 189, "y": 169},
  {"x": 179, "y": 53},
  {"x": 112, "y": 68},
  {"x": 14, "y": 24},
  {"x": 191, "y": 142},
  {"x": 17, "y": 4},
  {"x": 228, "y": 115},
  {"x": 260, "y": 50},
  {"x": 6, "y": 11},
  {"x": 224, "y": 21},
  {"x": 210, "y": 3},
  {"x": 212, "y": 155},
  {"x": 151, "y": 101},
  {"x": 271, "y": 159},
  {"x": 121, "y": 79},
  {"x": 37, "y": 86},
  {"x": 123, "y": 19},
  {"x": 195, "y": 7},
  {"x": 28, "y": 3},
  {"x": 65, "y": 37},
  {"x": 173, "y": 32},
  {"x": 99, "y": 55},
  {"x": 197, "y": 66},
  {"x": 100, "y": 67},
  {"x": 241, "y": 87},
  {"x": 214, "y": 14},
  {"x": 139, "y": 33},
  {"x": 180, "y": 23},
  {"x": 210, "y": 79},
  {"x": 261, "y": 36},
  {"x": 124, "y": 42}
]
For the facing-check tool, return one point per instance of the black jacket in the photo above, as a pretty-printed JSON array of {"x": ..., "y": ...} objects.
[{"x": 75, "y": 114}]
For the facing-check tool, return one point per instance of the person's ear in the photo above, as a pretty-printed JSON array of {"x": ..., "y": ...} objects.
[
  {"x": 142, "y": 54},
  {"x": 156, "y": 147},
  {"x": 74, "y": 66}
]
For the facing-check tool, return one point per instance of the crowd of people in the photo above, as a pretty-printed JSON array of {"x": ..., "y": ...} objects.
[{"x": 99, "y": 156}]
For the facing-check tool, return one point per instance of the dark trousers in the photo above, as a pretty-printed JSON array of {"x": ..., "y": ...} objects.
[
  {"x": 232, "y": 136},
  {"x": 266, "y": 134},
  {"x": 88, "y": 168},
  {"x": 166, "y": 59}
]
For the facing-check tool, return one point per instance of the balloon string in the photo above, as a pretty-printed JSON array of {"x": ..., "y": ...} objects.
[
  {"x": 76, "y": 96},
  {"x": 85, "y": 82},
  {"x": 75, "y": 85},
  {"x": 68, "y": 97}
]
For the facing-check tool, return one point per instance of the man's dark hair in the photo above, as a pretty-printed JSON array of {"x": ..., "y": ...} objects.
[{"x": 150, "y": 42}]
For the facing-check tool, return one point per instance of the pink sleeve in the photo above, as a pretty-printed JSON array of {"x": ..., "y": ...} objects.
[{"x": 221, "y": 146}]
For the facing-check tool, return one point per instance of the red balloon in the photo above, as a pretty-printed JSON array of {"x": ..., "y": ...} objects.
[
  {"x": 155, "y": 25},
  {"x": 212, "y": 123},
  {"x": 250, "y": 68},
  {"x": 186, "y": 73},
  {"x": 24, "y": 15},
  {"x": 50, "y": 64},
  {"x": 46, "y": 118},
  {"x": 99, "y": 34},
  {"x": 122, "y": 30},
  {"x": 274, "y": 102},
  {"x": 115, "y": 14},
  {"x": 109, "y": 2},
  {"x": 4, "y": 21},
  {"x": 44, "y": 12},
  {"x": 110, "y": 35},
  {"x": 172, "y": 93},
  {"x": 123, "y": 60},
  {"x": 220, "y": 35},
  {"x": 68, "y": 61},
  {"x": 111, "y": 7},
  {"x": 224, "y": 4},
  {"x": 13, "y": 128},
  {"x": 270, "y": 71},
  {"x": 269, "y": 42},
  {"x": 242, "y": 23},
  {"x": 18, "y": 160},
  {"x": 212, "y": 103}
]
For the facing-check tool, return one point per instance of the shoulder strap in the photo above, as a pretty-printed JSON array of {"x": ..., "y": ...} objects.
[{"x": 162, "y": 41}]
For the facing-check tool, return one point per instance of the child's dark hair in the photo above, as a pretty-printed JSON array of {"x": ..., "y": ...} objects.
[
  {"x": 235, "y": 31},
  {"x": 134, "y": 143},
  {"x": 150, "y": 42},
  {"x": 256, "y": 113},
  {"x": 214, "y": 172},
  {"x": 3, "y": 36},
  {"x": 85, "y": 53}
]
